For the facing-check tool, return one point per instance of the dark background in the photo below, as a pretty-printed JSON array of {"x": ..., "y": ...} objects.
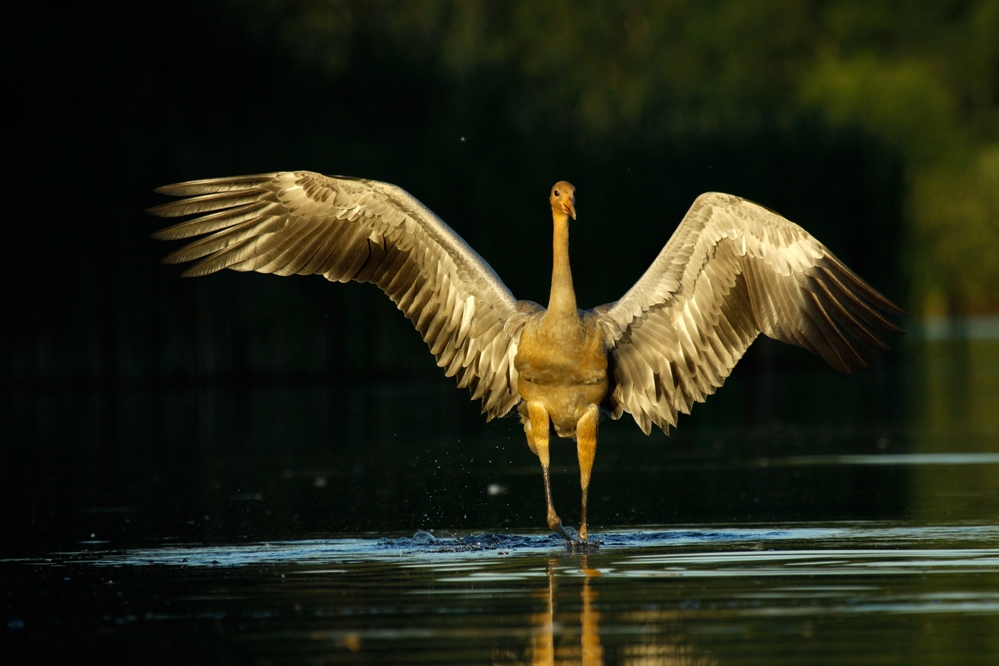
[
  {"x": 120, "y": 375},
  {"x": 116, "y": 103}
]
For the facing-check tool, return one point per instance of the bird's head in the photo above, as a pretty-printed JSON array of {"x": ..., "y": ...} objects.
[{"x": 563, "y": 199}]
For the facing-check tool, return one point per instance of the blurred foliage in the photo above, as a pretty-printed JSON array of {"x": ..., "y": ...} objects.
[
  {"x": 920, "y": 77},
  {"x": 874, "y": 125},
  {"x": 956, "y": 217}
]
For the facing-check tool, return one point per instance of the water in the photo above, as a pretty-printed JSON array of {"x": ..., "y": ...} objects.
[
  {"x": 839, "y": 593},
  {"x": 849, "y": 520}
]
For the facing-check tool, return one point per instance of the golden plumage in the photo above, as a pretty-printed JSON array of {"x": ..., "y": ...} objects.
[{"x": 731, "y": 271}]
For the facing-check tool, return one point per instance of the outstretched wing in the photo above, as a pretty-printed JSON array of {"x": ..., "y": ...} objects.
[
  {"x": 731, "y": 271},
  {"x": 351, "y": 229}
]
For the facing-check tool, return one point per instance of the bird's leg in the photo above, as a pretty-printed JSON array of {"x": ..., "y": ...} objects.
[
  {"x": 586, "y": 449},
  {"x": 539, "y": 430},
  {"x": 525, "y": 420}
]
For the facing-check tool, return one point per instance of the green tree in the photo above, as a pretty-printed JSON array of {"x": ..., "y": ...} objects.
[{"x": 919, "y": 78}]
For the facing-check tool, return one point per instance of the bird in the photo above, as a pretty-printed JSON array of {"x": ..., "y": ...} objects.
[{"x": 732, "y": 270}]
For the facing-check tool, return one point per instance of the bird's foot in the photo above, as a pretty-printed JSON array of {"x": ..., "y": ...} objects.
[
  {"x": 573, "y": 542},
  {"x": 582, "y": 545},
  {"x": 555, "y": 525}
]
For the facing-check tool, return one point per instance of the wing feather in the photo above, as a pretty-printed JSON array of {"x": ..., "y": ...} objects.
[
  {"x": 303, "y": 223},
  {"x": 731, "y": 271}
]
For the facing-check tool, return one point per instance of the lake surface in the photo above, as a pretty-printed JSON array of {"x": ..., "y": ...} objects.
[
  {"x": 859, "y": 592},
  {"x": 800, "y": 518}
]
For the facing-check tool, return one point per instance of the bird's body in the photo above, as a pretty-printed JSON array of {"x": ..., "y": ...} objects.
[
  {"x": 731, "y": 270},
  {"x": 563, "y": 367}
]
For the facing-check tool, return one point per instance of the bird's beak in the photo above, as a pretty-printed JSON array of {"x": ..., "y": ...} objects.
[{"x": 570, "y": 207}]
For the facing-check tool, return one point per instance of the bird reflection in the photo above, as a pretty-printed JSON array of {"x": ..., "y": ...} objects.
[
  {"x": 553, "y": 642},
  {"x": 554, "y": 637}
]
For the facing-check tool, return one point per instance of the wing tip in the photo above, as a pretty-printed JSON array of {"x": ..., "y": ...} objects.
[
  {"x": 160, "y": 210},
  {"x": 189, "y": 188}
]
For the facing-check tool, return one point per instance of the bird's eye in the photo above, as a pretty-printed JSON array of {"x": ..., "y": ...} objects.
[{"x": 557, "y": 194}]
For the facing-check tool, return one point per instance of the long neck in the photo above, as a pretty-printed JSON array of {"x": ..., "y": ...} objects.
[{"x": 562, "y": 301}]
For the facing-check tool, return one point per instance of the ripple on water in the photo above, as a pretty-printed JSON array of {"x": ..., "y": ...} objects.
[{"x": 849, "y": 545}]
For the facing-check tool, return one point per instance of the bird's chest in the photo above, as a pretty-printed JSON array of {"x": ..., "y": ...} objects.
[
  {"x": 564, "y": 370},
  {"x": 566, "y": 356}
]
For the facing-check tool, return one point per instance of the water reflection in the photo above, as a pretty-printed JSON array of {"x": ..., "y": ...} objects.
[
  {"x": 543, "y": 649},
  {"x": 572, "y": 634},
  {"x": 955, "y": 414}
]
